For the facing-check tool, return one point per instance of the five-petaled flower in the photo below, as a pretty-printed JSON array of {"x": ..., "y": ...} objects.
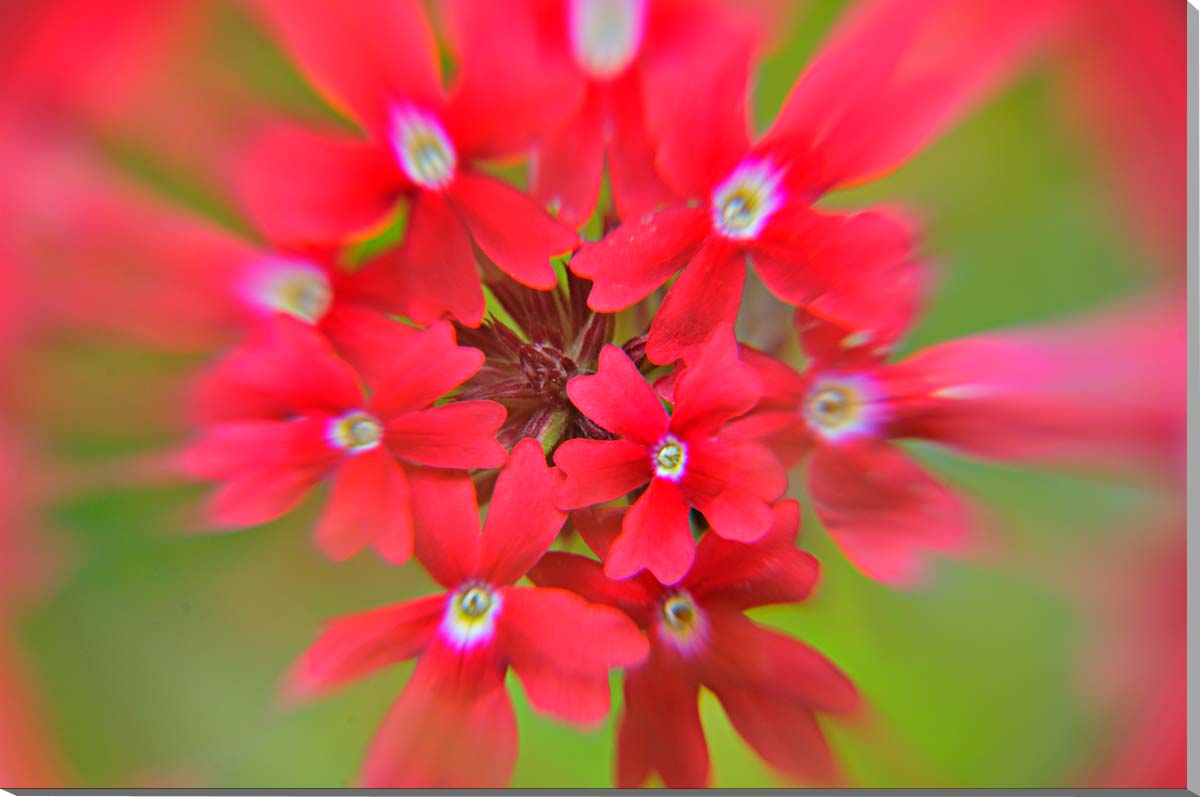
[
  {"x": 453, "y": 726},
  {"x": 377, "y": 60},
  {"x": 286, "y": 413},
  {"x": 683, "y": 456},
  {"x": 771, "y": 686}
]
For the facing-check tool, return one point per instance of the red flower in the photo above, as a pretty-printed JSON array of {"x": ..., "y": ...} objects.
[
  {"x": 377, "y": 60},
  {"x": 287, "y": 413},
  {"x": 683, "y": 456},
  {"x": 770, "y": 685},
  {"x": 598, "y": 51},
  {"x": 893, "y": 77},
  {"x": 1092, "y": 391},
  {"x": 454, "y": 726}
]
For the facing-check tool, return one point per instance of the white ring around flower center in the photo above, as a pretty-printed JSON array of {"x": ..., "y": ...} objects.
[
  {"x": 669, "y": 458},
  {"x": 424, "y": 149},
  {"x": 606, "y": 34},
  {"x": 355, "y": 432},
  {"x": 470, "y": 616},
  {"x": 296, "y": 287},
  {"x": 840, "y": 408},
  {"x": 745, "y": 200}
]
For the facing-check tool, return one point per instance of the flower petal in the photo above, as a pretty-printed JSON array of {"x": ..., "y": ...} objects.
[
  {"x": 744, "y": 653},
  {"x": 884, "y": 512},
  {"x": 599, "y": 470},
  {"x": 714, "y": 387},
  {"x": 740, "y": 576},
  {"x": 427, "y": 367},
  {"x": 369, "y": 505},
  {"x": 707, "y": 294},
  {"x": 567, "y": 166},
  {"x": 785, "y": 733},
  {"x": 637, "y": 188},
  {"x": 457, "y": 435},
  {"x": 655, "y": 536},
  {"x": 511, "y": 229},
  {"x": 620, "y": 399},
  {"x": 434, "y": 740},
  {"x": 304, "y": 187},
  {"x": 896, "y": 74},
  {"x": 367, "y": 56},
  {"x": 446, "y": 524},
  {"x": 661, "y": 703},
  {"x": 640, "y": 255},
  {"x": 437, "y": 272},
  {"x": 585, "y": 577},
  {"x": 522, "y": 520},
  {"x": 356, "y": 645},
  {"x": 562, "y": 648},
  {"x": 288, "y": 368}
]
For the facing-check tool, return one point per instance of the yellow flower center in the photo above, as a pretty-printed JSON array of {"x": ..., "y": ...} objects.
[
  {"x": 605, "y": 34},
  {"x": 670, "y": 458},
  {"x": 298, "y": 288},
  {"x": 839, "y": 409}
]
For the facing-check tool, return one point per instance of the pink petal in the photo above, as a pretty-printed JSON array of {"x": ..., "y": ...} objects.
[
  {"x": 639, "y": 256},
  {"x": 562, "y": 648},
  {"x": 437, "y": 272},
  {"x": 457, "y": 435},
  {"x": 446, "y": 524},
  {"x": 740, "y": 576},
  {"x": 367, "y": 338},
  {"x": 734, "y": 484},
  {"x": 522, "y": 520},
  {"x": 706, "y": 295},
  {"x": 303, "y": 187},
  {"x": 619, "y": 398},
  {"x": 428, "y": 366},
  {"x": 599, "y": 470},
  {"x": 511, "y": 229},
  {"x": 367, "y": 56},
  {"x": 655, "y": 536},
  {"x": 369, "y": 505},
  {"x": 714, "y": 387},
  {"x": 884, "y": 512},
  {"x": 357, "y": 645}
]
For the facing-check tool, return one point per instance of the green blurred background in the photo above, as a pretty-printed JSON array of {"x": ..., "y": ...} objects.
[{"x": 161, "y": 652}]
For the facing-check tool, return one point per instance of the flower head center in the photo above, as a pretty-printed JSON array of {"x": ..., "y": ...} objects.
[
  {"x": 606, "y": 34},
  {"x": 670, "y": 458},
  {"x": 355, "y": 432},
  {"x": 744, "y": 201},
  {"x": 424, "y": 149},
  {"x": 474, "y": 602},
  {"x": 679, "y": 612},
  {"x": 295, "y": 287},
  {"x": 471, "y": 615},
  {"x": 837, "y": 409},
  {"x": 682, "y": 623}
]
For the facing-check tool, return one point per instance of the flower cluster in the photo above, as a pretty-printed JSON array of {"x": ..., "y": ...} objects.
[{"x": 423, "y": 335}]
